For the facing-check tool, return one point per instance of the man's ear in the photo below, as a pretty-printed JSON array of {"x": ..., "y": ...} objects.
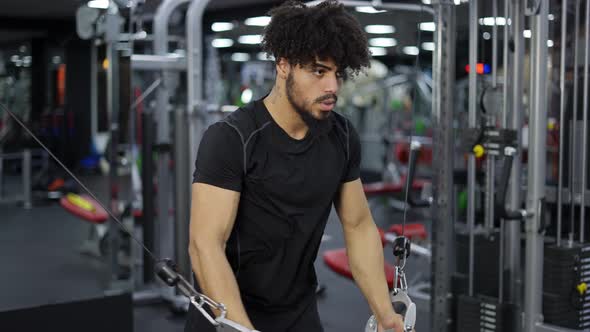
[{"x": 283, "y": 68}]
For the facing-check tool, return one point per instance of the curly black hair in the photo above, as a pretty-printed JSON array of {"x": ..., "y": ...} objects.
[{"x": 301, "y": 34}]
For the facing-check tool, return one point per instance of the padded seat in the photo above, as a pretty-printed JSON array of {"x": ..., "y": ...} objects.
[{"x": 98, "y": 216}]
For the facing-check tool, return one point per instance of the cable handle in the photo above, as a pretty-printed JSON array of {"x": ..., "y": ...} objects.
[{"x": 397, "y": 296}]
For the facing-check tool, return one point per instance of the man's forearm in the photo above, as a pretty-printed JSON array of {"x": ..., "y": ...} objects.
[
  {"x": 217, "y": 281},
  {"x": 365, "y": 255}
]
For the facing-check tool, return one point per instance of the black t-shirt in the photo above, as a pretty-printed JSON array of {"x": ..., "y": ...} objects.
[{"x": 287, "y": 190}]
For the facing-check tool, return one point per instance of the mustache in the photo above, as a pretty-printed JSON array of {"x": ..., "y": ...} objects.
[{"x": 327, "y": 97}]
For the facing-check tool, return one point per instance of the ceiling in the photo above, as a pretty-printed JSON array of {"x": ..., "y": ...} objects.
[{"x": 26, "y": 15}]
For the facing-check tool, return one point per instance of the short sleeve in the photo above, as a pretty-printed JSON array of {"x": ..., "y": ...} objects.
[
  {"x": 220, "y": 158},
  {"x": 353, "y": 166}
]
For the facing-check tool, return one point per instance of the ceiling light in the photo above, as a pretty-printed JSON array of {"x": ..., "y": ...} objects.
[
  {"x": 379, "y": 28},
  {"x": 550, "y": 43},
  {"x": 259, "y": 21},
  {"x": 377, "y": 51},
  {"x": 240, "y": 57},
  {"x": 428, "y": 46},
  {"x": 551, "y": 17},
  {"x": 489, "y": 21},
  {"x": 100, "y": 4},
  {"x": 527, "y": 33},
  {"x": 427, "y": 2},
  {"x": 369, "y": 10},
  {"x": 411, "y": 50},
  {"x": 487, "y": 36},
  {"x": 382, "y": 42},
  {"x": 222, "y": 26},
  {"x": 427, "y": 26},
  {"x": 250, "y": 39},
  {"x": 222, "y": 42}
]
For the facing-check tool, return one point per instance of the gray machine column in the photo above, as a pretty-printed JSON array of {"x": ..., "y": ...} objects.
[
  {"x": 536, "y": 170},
  {"x": 442, "y": 115},
  {"x": 515, "y": 80},
  {"x": 165, "y": 228}
]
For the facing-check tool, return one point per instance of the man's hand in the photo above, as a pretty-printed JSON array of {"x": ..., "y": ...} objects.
[{"x": 394, "y": 321}]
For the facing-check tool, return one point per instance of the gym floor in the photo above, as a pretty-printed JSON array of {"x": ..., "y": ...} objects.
[{"x": 42, "y": 265}]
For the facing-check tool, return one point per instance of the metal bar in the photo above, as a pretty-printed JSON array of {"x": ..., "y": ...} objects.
[
  {"x": 573, "y": 127},
  {"x": 507, "y": 63},
  {"x": 491, "y": 161},
  {"x": 196, "y": 106},
  {"x": 164, "y": 241},
  {"x": 147, "y": 180},
  {"x": 536, "y": 171},
  {"x": 145, "y": 94},
  {"x": 495, "y": 44},
  {"x": 443, "y": 64},
  {"x": 113, "y": 110},
  {"x": 385, "y": 6},
  {"x": 513, "y": 232},
  {"x": 1, "y": 174},
  {"x": 473, "y": 31},
  {"x": 94, "y": 91},
  {"x": 501, "y": 263},
  {"x": 584, "y": 169},
  {"x": 149, "y": 62},
  {"x": 490, "y": 190},
  {"x": 27, "y": 194},
  {"x": 562, "y": 120}
]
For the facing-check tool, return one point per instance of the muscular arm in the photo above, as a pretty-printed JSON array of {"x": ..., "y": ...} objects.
[
  {"x": 213, "y": 212},
  {"x": 365, "y": 253}
]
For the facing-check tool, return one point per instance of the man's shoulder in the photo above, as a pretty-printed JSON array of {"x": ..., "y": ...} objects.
[{"x": 245, "y": 120}]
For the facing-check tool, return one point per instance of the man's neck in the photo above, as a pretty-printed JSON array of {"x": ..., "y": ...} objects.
[{"x": 284, "y": 114}]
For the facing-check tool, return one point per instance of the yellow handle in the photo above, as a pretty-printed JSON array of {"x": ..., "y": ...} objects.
[
  {"x": 80, "y": 202},
  {"x": 479, "y": 151},
  {"x": 582, "y": 288}
]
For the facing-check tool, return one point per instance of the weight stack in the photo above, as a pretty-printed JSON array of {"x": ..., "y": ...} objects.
[
  {"x": 484, "y": 314},
  {"x": 566, "y": 275},
  {"x": 486, "y": 261}
]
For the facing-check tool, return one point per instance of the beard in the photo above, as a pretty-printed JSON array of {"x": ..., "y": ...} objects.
[{"x": 303, "y": 108}]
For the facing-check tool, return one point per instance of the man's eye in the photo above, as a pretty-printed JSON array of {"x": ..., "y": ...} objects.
[{"x": 319, "y": 72}]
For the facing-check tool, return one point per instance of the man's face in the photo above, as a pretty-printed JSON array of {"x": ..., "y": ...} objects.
[{"x": 312, "y": 88}]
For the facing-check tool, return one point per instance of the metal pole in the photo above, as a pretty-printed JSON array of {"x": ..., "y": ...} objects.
[
  {"x": 495, "y": 43},
  {"x": 1, "y": 174},
  {"x": 442, "y": 110},
  {"x": 585, "y": 127},
  {"x": 536, "y": 171},
  {"x": 27, "y": 196},
  {"x": 562, "y": 120},
  {"x": 507, "y": 64},
  {"x": 491, "y": 160},
  {"x": 513, "y": 245},
  {"x": 113, "y": 107},
  {"x": 165, "y": 228},
  {"x": 574, "y": 125},
  {"x": 472, "y": 124},
  {"x": 93, "y": 91},
  {"x": 147, "y": 180},
  {"x": 501, "y": 263}
]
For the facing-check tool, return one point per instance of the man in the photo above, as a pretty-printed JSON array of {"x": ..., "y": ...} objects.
[{"x": 267, "y": 176}]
